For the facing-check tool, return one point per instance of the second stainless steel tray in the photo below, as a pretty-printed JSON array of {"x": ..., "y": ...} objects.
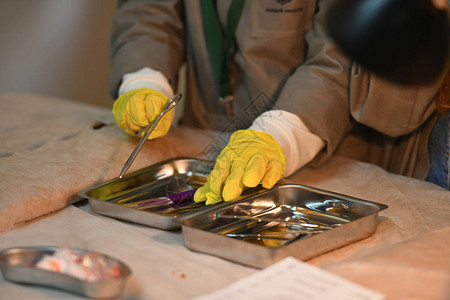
[{"x": 288, "y": 220}]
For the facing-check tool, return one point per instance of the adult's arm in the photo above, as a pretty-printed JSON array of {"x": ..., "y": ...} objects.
[
  {"x": 316, "y": 92},
  {"x": 147, "y": 33}
]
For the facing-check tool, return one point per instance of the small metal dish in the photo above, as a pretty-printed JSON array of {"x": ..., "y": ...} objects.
[{"x": 19, "y": 265}]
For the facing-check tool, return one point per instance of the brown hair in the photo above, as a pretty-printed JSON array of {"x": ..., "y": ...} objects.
[{"x": 443, "y": 98}]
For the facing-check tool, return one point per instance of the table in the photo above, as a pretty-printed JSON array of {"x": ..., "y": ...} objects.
[{"x": 49, "y": 151}]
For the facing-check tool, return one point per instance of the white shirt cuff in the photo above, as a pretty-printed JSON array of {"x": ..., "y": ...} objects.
[
  {"x": 146, "y": 78},
  {"x": 299, "y": 144}
]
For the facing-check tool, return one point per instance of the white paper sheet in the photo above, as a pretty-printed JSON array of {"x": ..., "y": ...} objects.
[{"x": 296, "y": 280}]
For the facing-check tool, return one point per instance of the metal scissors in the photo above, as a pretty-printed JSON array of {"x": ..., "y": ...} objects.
[{"x": 146, "y": 131}]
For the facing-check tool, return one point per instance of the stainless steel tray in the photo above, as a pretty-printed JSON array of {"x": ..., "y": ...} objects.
[
  {"x": 288, "y": 220},
  {"x": 18, "y": 265},
  {"x": 172, "y": 176}
]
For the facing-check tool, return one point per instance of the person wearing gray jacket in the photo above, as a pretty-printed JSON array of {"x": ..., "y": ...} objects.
[{"x": 281, "y": 75}]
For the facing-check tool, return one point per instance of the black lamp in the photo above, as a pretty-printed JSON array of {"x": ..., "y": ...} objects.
[{"x": 402, "y": 40}]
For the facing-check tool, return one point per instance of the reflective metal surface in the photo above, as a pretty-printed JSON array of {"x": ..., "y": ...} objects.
[
  {"x": 288, "y": 220},
  {"x": 117, "y": 198},
  {"x": 18, "y": 265}
]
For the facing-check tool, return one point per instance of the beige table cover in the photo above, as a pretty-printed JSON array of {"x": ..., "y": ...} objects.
[{"x": 49, "y": 151}]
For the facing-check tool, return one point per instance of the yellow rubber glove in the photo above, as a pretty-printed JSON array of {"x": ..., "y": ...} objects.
[
  {"x": 250, "y": 157},
  {"x": 137, "y": 108}
]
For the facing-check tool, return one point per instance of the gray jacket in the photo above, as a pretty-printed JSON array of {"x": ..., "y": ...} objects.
[{"x": 284, "y": 60}]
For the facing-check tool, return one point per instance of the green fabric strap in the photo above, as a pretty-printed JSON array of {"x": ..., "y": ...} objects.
[{"x": 221, "y": 45}]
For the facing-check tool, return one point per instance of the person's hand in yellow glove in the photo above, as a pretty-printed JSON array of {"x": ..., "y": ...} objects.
[
  {"x": 135, "y": 109},
  {"x": 250, "y": 157}
]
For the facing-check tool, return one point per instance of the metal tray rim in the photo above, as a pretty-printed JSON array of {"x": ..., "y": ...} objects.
[
  {"x": 66, "y": 282},
  {"x": 83, "y": 193},
  {"x": 271, "y": 255}
]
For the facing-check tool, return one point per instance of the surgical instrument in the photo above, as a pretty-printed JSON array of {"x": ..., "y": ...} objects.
[{"x": 146, "y": 131}]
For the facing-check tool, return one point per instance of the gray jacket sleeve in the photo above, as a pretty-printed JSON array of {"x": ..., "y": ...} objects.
[
  {"x": 331, "y": 94},
  {"x": 147, "y": 34},
  {"x": 318, "y": 90}
]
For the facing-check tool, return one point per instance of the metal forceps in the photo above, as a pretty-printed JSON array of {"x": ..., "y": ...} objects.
[{"x": 146, "y": 131}]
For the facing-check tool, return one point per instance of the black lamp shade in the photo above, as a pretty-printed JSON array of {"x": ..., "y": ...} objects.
[{"x": 401, "y": 40}]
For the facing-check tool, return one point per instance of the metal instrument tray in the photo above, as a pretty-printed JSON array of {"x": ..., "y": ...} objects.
[
  {"x": 288, "y": 220},
  {"x": 171, "y": 176},
  {"x": 18, "y": 265}
]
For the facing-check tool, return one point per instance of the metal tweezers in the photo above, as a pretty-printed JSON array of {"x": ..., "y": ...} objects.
[{"x": 146, "y": 131}]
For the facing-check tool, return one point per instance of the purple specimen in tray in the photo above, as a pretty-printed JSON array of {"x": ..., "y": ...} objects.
[
  {"x": 182, "y": 196},
  {"x": 177, "y": 200}
]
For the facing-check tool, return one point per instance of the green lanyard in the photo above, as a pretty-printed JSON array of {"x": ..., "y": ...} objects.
[{"x": 221, "y": 45}]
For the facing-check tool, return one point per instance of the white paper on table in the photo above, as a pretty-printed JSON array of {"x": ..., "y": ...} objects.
[{"x": 293, "y": 279}]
